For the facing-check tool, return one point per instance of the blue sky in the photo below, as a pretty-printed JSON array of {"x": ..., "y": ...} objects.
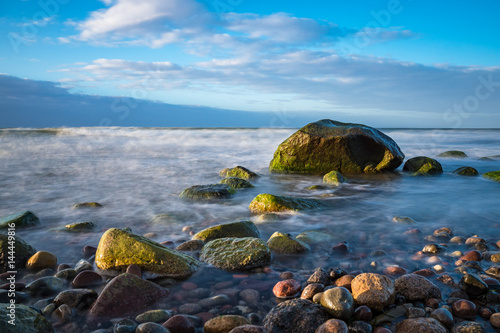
[{"x": 407, "y": 63}]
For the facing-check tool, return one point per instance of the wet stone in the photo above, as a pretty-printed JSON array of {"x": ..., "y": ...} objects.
[
  {"x": 416, "y": 287},
  {"x": 421, "y": 325},
  {"x": 151, "y": 328},
  {"x": 76, "y": 298},
  {"x": 333, "y": 326},
  {"x": 360, "y": 327},
  {"x": 344, "y": 281},
  {"x": 87, "y": 279},
  {"x": 433, "y": 249},
  {"x": 199, "y": 293},
  {"x": 190, "y": 308},
  {"x": 41, "y": 260},
  {"x": 191, "y": 245},
  {"x": 224, "y": 324},
  {"x": 45, "y": 286},
  {"x": 214, "y": 301},
  {"x": 287, "y": 288},
  {"x": 444, "y": 316},
  {"x": 125, "y": 326},
  {"x": 248, "y": 329},
  {"x": 473, "y": 285},
  {"x": 62, "y": 314},
  {"x": 495, "y": 320},
  {"x": 469, "y": 327},
  {"x": 66, "y": 274},
  {"x": 155, "y": 316},
  {"x": 414, "y": 312},
  {"x": 134, "y": 269},
  {"x": 250, "y": 296},
  {"x": 311, "y": 289},
  {"x": 338, "y": 302},
  {"x": 464, "y": 309},
  {"x": 319, "y": 276},
  {"x": 363, "y": 313},
  {"x": 179, "y": 324}
]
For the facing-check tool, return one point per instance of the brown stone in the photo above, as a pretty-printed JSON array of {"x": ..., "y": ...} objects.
[
  {"x": 41, "y": 260},
  {"x": 287, "y": 288},
  {"x": 344, "y": 281},
  {"x": 373, "y": 290},
  {"x": 464, "y": 309},
  {"x": 179, "y": 324},
  {"x": 394, "y": 271},
  {"x": 312, "y": 289},
  {"x": 134, "y": 269},
  {"x": 224, "y": 324},
  {"x": 421, "y": 325},
  {"x": 416, "y": 287},
  {"x": 363, "y": 313},
  {"x": 333, "y": 326},
  {"x": 87, "y": 279},
  {"x": 426, "y": 272},
  {"x": 473, "y": 255}
]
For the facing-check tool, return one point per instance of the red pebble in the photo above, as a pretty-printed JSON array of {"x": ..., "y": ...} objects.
[
  {"x": 472, "y": 256},
  {"x": 189, "y": 286},
  {"x": 394, "y": 271},
  {"x": 287, "y": 288},
  {"x": 425, "y": 272},
  {"x": 464, "y": 309}
]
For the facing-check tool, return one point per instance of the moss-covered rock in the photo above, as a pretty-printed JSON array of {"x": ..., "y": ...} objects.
[
  {"x": 87, "y": 205},
  {"x": 19, "y": 220},
  {"x": 317, "y": 188},
  {"x": 453, "y": 153},
  {"x": 466, "y": 171},
  {"x": 333, "y": 178},
  {"x": 285, "y": 244},
  {"x": 422, "y": 165},
  {"x": 118, "y": 249},
  {"x": 268, "y": 203},
  {"x": 236, "y": 183},
  {"x": 191, "y": 245},
  {"x": 403, "y": 220},
  {"x": 80, "y": 226},
  {"x": 213, "y": 191},
  {"x": 238, "y": 172},
  {"x": 236, "y": 254},
  {"x": 327, "y": 145},
  {"x": 26, "y": 320},
  {"x": 315, "y": 238},
  {"x": 23, "y": 251},
  {"x": 493, "y": 175},
  {"x": 235, "y": 229}
]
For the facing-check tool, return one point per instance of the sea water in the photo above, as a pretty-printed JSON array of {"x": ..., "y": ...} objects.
[{"x": 138, "y": 173}]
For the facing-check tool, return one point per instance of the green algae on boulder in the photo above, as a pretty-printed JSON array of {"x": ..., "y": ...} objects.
[
  {"x": 333, "y": 178},
  {"x": 236, "y": 254},
  {"x": 213, "y": 191},
  {"x": 403, "y": 220},
  {"x": 466, "y": 171},
  {"x": 266, "y": 203},
  {"x": 23, "y": 251},
  {"x": 285, "y": 244},
  {"x": 423, "y": 165},
  {"x": 236, "y": 183},
  {"x": 87, "y": 205},
  {"x": 453, "y": 153},
  {"x": 238, "y": 172},
  {"x": 80, "y": 226},
  {"x": 235, "y": 229},
  {"x": 317, "y": 188},
  {"x": 18, "y": 318},
  {"x": 118, "y": 249},
  {"x": 327, "y": 145},
  {"x": 19, "y": 220},
  {"x": 493, "y": 175}
]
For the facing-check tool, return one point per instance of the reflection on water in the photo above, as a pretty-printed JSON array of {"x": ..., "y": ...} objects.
[{"x": 137, "y": 175}]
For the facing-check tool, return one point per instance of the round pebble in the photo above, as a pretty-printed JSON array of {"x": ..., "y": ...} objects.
[
  {"x": 495, "y": 320},
  {"x": 333, "y": 326},
  {"x": 179, "y": 324},
  {"x": 473, "y": 255},
  {"x": 344, "y": 281},
  {"x": 464, "y": 309},
  {"x": 443, "y": 316},
  {"x": 287, "y": 275},
  {"x": 87, "y": 279},
  {"x": 134, "y": 269},
  {"x": 41, "y": 260},
  {"x": 363, "y": 313},
  {"x": 312, "y": 289},
  {"x": 394, "y": 271},
  {"x": 287, "y": 288},
  {"x": 151, "y": 328}
]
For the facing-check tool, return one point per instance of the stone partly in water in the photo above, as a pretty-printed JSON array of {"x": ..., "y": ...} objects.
[
  {"x": 295, "y": 316},
  {"x": 236, "y": 183},
  {"x": 238, "y": 172},
  {"x": 119, "y": 248},
  {"x": 453, "y": 153},
  {"x": 204, "y": 192},
  {"x": 265, "y": 203},
  {"x": 333, "y": 178},
  {"x": 125, "y": 295},
  {"x": 493, "y": 175},
  {"x": 26, "y": 320},
  {"x": 403, "y": 220},
  {"x": 19, "y": 220},
  {"x": 235, "y": 229},
  {"x": 80, "y": 226},
  {"x": 224, "y": 324},
  {"x": 422, "y": 165},
  {"x": 373, "y": 290},
  {"x": 236, "y": 254},
  {"x": 24, "y": 251},
  {"x": 327, "y": 145},
  {"x": 466, "y": 171},
  {"x": 316, "y": 238},
  {"x": 285, "y": 244},
  {"x": 87, "y": 205}
]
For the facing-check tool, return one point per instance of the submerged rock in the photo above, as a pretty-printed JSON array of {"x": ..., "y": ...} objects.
[
  {"x": 26, "y": 320},
  {"x": 422, "y": 165},
  {"x": 466, "y": 171},
  {"x": 493, "y": 175},
  {"x": 213, "y": 191},
  {"x": 235, "y": 229},
  {"x": 123, "y": 296},
  {"x": 236, "y": 254},
  {"x": 265, "y": 203},
  {"x": 87, "y": 205},
  {"x": 238, "y": 172},
  {"x": 19, "y": 220},
  {"x": 295, "y": 316},
  {"x": 23, "y": 251},
  {"x": 236, "y": 183},
  {"x": 453, "y": 153},
  {"x": 327, "y": 145},
  {"x": 80, "y": 226},
  {"x": 315, "y": 238},
  {"x": 285, "y": 244},
  {"x": 403, "y": 220},
  {"x": 333, "y": 178},
  {"x": 119, "y": 248}
]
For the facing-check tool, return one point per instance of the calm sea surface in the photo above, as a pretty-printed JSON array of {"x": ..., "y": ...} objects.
[{"x": 138, "y": 173}]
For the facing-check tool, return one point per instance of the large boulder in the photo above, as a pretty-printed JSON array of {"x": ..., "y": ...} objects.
[
  {"x": 19, "y": 220},
  {"x": 266, "y": 203},
  {"x": 18, "y": 318},
  {"x": 235, "y": 229},
  {"x": 23, "y": 251},
  {"x": 373, "y": 290},
  {"x": 422, "y": 165},
  {"x": 327, "y": 145},
  {"x": 236, "y": 254},
  {"x": 119, "y": 248},
  {"x": 416, "y": 288},
  {"x": 295, "y": 316},
  {"x": 125, "y": 295}
]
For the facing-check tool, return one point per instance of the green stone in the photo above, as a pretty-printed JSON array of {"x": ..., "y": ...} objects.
[
  {"x": 118, "y": 249},
  {"x": 204, "y": 192},
  {"x": 267, "y": 203},
  {"x": 238, "y": 172},
  {"x": 236, "y": 183},
  {"x": 87, "y": 205},
  {"x": 236, "y": 254},
  {"x": 453, "y": 153},
  {"x": 423, "y": 166},
  {"x": 236, "y": 229},
  {"x": 466, "y": 171},
  {"x": 26, "y": 320},
  {"x": 285, "y": 244},
  {"x": 154, "y": 316},
  {"x": 334, "y": 178},
  {"x": 493, "y": 175},
  {"x": 80, "y": 226},
  {"x": 19, "y": 220}
]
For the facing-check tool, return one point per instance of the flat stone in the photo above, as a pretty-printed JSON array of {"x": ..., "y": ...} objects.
[{"x": 237, "y": 229}]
